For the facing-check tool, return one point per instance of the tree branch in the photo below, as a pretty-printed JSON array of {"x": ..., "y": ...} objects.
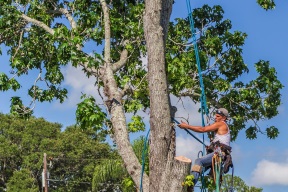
[
  {"x": 38, "y": 23},
  {"x": 69, "y": 17},
  {"x": 125, "y": 89},
  {"x": 19, "y": 44},
  {"x": 123, "y": 59},
  {"x": 107, "y": 48},
  {"x": 93, "y": 71}
]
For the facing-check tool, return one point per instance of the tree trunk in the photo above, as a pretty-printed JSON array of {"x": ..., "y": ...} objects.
[{"x": 162, "y": 149}]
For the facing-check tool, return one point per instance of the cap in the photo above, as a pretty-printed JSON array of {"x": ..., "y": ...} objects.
[{"x": 222, "y": 111}]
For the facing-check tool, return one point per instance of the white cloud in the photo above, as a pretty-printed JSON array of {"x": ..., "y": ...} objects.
[
  {"x": 188, "y": 147},
  {"x": 77, "y": 83},
  {"x": 270, "y": 173}
]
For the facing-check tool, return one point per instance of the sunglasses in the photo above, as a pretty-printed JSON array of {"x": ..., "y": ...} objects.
[{"x": 220, "y": 113}]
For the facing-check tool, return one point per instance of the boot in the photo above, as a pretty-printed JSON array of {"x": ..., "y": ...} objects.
[{"x": 190, "y": 189}]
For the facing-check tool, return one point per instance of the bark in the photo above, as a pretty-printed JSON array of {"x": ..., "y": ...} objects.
[
  {"x": 162, "y": 149},
  {"x": 120, "y": 135},
  {"x": 181, "y": 168},
  {"x": 118, "y": 119}
]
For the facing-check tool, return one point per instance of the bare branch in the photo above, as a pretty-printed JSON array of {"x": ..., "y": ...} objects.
[
  {"x": 125, "y": 89},
  {"x": 217, "y": 59},
  {"x": 93, "y": 71},
  {"x": 107, "y": 31},
  {"x": 38, "y": 23},
  {"x": 123, "y": 59},
  {"x": 69, "y": 17},
  {"x": 190, "y": 94},
  {"x": 182, "y": 44},
  {"x": 141, "y": 81},
  {"x": 19, "y": 44}
]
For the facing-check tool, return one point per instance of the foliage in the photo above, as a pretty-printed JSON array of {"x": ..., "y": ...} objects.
[
  {"x": 188, "y": 181},
  {"x": 22, "y": 181},
  {"x": 71, "y": 155},
  {"x": 238, "y": 185},
  {"x": 89, "y": 115},
  {"x": 22, "y": 144},
  {"x": 43, "y": 37},
  {"x": 266, "y": 4},
  {"x": 136, "y": 124},
  {"x": 51, "y": 44},
  {"x": 111, "y": 174},
  {"x": 110, "y": 170},
  {"x": 78, "y": 152},
  {"x": 222, "y": 67},
  {"x": 46, "y": 51}
]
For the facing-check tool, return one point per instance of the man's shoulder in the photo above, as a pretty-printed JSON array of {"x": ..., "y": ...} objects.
[{"x": 221, "y": 124}]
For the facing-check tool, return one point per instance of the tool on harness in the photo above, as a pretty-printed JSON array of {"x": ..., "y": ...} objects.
[
  {"x": 225, "y": 153},
  {"x": 214, "y": 145},
  {"x": 227, "y": 164}
]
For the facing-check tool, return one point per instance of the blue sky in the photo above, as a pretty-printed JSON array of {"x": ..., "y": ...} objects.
[{"x": 262, "y": 162}]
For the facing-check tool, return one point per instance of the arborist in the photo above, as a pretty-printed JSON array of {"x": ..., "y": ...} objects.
[{"x": 220, "y": 141}]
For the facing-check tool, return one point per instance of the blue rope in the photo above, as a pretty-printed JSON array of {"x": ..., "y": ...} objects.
[
  {"x": 143, "y": 160},
  {"x": 190, "y": 133},
  {"x": 204, "y": 108},
  {"x": 193, "y": 31}
]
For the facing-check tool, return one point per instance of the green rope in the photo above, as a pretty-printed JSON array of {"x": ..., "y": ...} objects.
[{"x": 218, "y": 173}]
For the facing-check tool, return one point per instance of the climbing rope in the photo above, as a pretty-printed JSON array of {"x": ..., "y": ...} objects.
[
  {"x": 204, "y": 108},
  {"x": 194, "y": 40},
  {"x": 216, "y": 167}
]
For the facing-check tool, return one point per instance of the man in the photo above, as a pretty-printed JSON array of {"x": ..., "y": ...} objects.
[{"x": 222, "y": 136}]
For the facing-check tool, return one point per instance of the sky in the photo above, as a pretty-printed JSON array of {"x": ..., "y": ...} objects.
[{"x": 261, "y": 162}]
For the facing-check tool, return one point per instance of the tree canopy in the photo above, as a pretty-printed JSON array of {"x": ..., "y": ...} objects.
[
  {"x": 45, "y": 36},
  {"x": 43, "y": 41},
  {"x": 71, "y": 155}
]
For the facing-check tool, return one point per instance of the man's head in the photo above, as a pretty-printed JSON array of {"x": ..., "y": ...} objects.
[{"x": 223, "y": 112}]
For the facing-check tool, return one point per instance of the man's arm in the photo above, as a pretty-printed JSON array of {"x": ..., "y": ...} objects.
[{"x": 200, "y": 129}]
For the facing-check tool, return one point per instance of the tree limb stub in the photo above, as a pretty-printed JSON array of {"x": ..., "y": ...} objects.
[{"x": 181, "y": 168}]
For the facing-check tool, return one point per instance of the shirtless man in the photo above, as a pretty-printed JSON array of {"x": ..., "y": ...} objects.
[{"x": 222, "y": 134}]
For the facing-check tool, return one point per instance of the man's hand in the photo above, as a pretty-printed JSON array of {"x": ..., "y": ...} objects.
[{"x": 183, "y": 125}]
